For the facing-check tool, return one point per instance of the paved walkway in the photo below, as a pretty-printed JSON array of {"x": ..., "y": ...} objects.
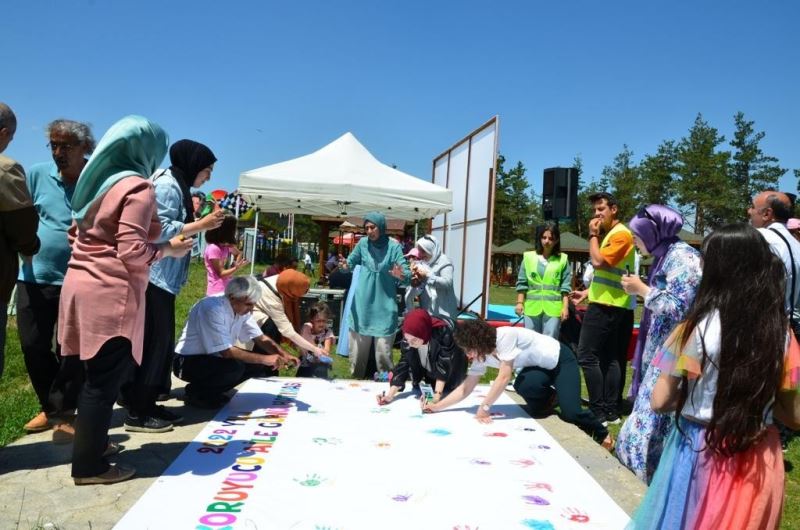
[{"x": 36, "y": 490}]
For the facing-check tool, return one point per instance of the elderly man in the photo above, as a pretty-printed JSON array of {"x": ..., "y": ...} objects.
[
  {"x": 606, "y": 328},
  {"x": 373, "y": 313},
  {"x": 206, "y": 355},
  {"x": 18, "y": 221},
  {"x": 769, "y": 212},
  {"x": 56, "y": 381}
]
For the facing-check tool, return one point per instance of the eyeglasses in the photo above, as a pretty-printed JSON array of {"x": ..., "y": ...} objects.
[{"x": 60, "y": 145}]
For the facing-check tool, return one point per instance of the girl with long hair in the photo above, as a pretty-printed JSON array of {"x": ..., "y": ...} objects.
[{"x": 727, "y": 370}]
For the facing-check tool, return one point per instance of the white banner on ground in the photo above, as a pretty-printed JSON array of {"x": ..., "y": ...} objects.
[{"x": 312, "y": 454}]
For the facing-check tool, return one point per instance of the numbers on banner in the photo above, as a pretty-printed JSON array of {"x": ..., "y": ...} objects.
[{"x": 215, "y": 450}]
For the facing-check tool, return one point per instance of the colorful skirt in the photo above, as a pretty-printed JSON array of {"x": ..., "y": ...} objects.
[{"x": 695, "y": 489}]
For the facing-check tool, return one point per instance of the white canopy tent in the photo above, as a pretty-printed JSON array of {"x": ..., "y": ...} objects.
[{"x": 342, "y": 179}]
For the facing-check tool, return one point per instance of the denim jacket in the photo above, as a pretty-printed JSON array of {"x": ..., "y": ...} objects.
[{"x": 169, "y": 274}]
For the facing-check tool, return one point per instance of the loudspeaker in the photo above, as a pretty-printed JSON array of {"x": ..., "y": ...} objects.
[{"x": 559, "y": 193}]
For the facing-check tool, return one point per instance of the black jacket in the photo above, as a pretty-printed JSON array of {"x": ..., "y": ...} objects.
[{"x": 447, "y": 362}]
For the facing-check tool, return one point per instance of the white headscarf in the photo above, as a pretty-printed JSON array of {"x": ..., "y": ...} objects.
[{"x": 430, "y": 245}]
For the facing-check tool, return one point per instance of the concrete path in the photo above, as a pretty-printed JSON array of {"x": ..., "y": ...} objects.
[{"x": 36, "y": 490}]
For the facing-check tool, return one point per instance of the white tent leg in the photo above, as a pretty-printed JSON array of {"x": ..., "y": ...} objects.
[{"x": 255, "y": 243}]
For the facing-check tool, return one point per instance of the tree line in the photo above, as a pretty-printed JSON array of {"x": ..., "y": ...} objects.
[{"x": 710, "y": 181}]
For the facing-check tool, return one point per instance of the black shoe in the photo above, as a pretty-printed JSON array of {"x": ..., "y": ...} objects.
[
  {"x": 205, "y": 403},
  {"x": 163, "y": 413},
  {"x": 146, "y": 424},
  {"x": 163, "y": 397},
  {"x": 611, "y": 419}
]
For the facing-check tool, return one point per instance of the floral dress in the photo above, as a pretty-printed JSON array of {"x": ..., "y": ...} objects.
[{"x": 641, "y": 438}]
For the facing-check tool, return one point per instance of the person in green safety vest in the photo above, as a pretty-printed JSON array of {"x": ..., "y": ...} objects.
[
  {"x": 543, "y": 283},
  {"x": 608, "y": 323}
]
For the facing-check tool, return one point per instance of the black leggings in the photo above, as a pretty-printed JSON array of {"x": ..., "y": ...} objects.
[
  {"x": 105, "y": 373},
  {"x": 534, "y": 385}
]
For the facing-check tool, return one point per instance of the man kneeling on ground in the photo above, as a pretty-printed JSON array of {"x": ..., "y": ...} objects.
[{"x": 206, "y": 357}]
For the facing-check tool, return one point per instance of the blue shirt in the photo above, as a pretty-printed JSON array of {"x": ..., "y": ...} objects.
[
  {"x": 52, "y": 199},
  {"x": 169, "y": 274}
]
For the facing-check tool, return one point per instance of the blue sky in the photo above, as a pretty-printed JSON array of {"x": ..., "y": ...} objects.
[{"x": 261, "y": 82}]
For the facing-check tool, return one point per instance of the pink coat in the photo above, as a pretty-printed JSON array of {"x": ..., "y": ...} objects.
[{"x": 103, "y": 292}]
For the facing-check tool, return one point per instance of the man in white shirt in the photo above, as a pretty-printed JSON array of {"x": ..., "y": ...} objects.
[
  {"x": 769, "y": 212},
  {"x": 207, "y": 357}
]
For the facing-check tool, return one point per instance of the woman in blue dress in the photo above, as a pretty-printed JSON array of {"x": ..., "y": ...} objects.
[{"x": 668, "y": 294}]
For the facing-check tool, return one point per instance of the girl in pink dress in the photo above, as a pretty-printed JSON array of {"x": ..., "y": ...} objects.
[
  {"x": 101, "y": 313},
  {"x": 221, "y": 244}
]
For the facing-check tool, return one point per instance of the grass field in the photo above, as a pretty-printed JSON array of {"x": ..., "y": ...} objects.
[{"x": 18, "y": 403}]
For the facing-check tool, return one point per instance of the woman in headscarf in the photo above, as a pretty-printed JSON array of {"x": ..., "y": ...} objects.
[
  {"x": 191, "y": 166},
  {"x": 373, "y": 307},
  {"x": 277, "y": 312},
  {"x": 668, "y": 294},
  {"x": 101, "y": 314},
  {"x": 428, "y": 354},
  {"x": 432, "y": 278}
]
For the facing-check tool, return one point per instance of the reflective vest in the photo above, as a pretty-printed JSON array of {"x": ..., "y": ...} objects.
[
  {"x": 606, "y": 287},
  {"x": 544, "y": 292}
]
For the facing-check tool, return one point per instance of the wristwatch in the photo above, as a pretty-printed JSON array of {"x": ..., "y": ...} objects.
[
  {"x": 485, "y": 408},
  {"x": 594, "y": 235}
]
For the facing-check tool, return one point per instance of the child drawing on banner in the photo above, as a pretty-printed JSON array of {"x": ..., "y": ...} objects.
[
  {"x": 317, "y": 332},
  {"x": 726, "y": 371}
]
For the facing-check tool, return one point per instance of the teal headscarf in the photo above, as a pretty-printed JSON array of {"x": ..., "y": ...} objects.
[
  {"x": 132, "y": 146},
  {"x": 379, "y": 220}
]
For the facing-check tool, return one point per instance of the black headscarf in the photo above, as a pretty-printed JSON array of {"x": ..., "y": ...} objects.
[{"x": 188, "y": 158}]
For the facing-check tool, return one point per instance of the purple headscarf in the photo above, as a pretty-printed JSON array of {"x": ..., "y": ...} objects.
[{"x": 657, "y": 226}]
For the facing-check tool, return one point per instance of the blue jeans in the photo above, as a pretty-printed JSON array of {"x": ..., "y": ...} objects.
[{"x": 550, "y": 326}]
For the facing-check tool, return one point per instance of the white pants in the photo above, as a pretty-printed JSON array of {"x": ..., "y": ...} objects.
[{"x": 360, "y": 346}]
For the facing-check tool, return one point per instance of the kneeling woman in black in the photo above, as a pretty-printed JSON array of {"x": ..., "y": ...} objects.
[
  {"x": 428, "y": 353},
  {"x": 543, "y": 364}
]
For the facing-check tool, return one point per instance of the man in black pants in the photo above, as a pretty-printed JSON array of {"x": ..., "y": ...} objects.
[
  {"x": 607, "y": 326},
  {"x": 206, "y": 356}
]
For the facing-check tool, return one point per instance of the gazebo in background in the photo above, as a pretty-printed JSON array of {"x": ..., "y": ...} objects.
[{"x": 506, "y": 260}]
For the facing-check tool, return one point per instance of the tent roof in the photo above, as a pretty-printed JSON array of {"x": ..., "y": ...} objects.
[
  {"x": 518, "y": 246},
  {"x": 342, "y": 179},
  {"x": 572, "y": 243}
]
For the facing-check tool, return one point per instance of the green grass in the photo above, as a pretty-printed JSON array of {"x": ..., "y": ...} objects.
[{"x": 18, "y": 403}]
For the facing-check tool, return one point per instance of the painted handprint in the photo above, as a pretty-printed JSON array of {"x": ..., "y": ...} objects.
[
  {"x": 539, "y": 486},
  {"x": 523, "y": 462},
  {"x": 439, "y": 432},
  {"x": 575, "y": 515},
  {"x": 465, "y": 527},
  {"x": 326, "y": 441},
  {"x": 536, "y": 524},
  {"x": 495, "y": 434},
  {"x": 311, "y": 480},
  {"x": 535, "y": 500},
  {"x": 401, "y": 497}
]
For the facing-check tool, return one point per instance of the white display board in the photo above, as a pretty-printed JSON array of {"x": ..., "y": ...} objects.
[
  {"x": 311, "y": 454},
  {"x": 468, "y": 170}
]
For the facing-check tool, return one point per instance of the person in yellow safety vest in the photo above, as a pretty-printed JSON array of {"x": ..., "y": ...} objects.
[
  {"x": 608, "y": 323},
  {"x": 543, "y": 284}
]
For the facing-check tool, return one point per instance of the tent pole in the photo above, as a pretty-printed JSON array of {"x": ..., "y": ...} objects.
[{"x": 255, "y": 242}]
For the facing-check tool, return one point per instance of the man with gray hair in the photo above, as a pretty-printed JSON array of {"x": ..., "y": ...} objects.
[
  {"x": 770, "y": 212},
  {"x": 56, "y": 381},
  {"x": 206, "y": 354},
  {"x": 18, "y": 221}
]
